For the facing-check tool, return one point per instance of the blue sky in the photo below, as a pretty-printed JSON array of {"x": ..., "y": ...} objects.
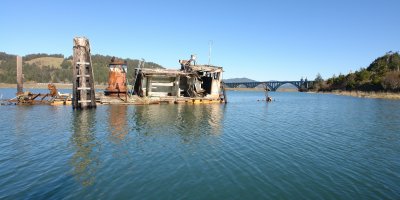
[{"x": 261, "y": 40}]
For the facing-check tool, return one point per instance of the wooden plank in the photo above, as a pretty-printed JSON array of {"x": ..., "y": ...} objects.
[
  {"x": 84, "y": 101},
  {"x": 169, "y": 84},
  {"x": 158, "y": 94},
  {"x": 83, "y": 63},
  {"x": 84, "y": 88},
  {"x": 82, "y": 75}
]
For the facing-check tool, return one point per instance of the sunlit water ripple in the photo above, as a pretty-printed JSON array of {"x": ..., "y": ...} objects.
[{"x": 301, "y": 146}]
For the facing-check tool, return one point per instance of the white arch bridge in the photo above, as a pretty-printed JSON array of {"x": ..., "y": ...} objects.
[{"x": 302, "y": 85}]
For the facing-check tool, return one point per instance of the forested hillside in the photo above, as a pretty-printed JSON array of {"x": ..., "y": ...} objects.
[
  {"x": 44, "y": 68},
  {"x": 383, "y": 74}
]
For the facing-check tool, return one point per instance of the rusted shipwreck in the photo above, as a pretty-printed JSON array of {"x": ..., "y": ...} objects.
[{"x": 190, "y": 84}]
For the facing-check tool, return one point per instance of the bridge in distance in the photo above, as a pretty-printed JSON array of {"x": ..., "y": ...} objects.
[{"x": 302, "y": 85}]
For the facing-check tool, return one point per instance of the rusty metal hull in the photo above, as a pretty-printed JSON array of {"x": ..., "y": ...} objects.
[{"x": 116, "y": 83}]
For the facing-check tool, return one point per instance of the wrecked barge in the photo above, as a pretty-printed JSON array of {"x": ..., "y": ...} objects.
[{"x": 190, "y": 84}]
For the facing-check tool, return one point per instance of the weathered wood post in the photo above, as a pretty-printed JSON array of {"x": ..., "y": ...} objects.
[
  {"x": 20, "y": 76},
  {"x": 224, "y": 92},
  {"x": 83, "y": 84}
]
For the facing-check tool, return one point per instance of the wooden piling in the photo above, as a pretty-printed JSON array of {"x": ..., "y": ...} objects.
[
  {"x": 83, "y": 83},
  {"x": 224, "y": 92},
  {"x": 20, "y": 76}
]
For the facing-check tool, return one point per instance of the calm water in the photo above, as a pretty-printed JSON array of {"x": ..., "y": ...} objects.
[{"x": 301, "y": 146}]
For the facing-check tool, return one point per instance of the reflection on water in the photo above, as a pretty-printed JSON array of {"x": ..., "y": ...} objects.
[
  {"x": 85, "y": 158},
  {"x": 117, "y": 122},
  {"x": 21, "y": 117},
  {"x": 307, "y": 146},
  {"x": 187, "y": 121},
  {"x": 161, "y": 122}
]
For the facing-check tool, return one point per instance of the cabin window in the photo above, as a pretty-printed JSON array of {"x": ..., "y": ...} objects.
[
  {"x": 216, "y": 75},
  {"x": 207, "y": 83}
]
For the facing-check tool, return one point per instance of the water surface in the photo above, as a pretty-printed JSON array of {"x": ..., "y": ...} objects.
[{"x": 301, "y": 146}]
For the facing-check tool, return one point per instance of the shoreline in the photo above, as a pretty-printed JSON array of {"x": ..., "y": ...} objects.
[
  {"x": 362, "y": 94},
  {"x": 69, "y": 86},
  {"x": 359, "y": 94}
]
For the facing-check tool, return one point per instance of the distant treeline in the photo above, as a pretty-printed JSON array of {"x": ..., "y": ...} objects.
[
  {"x": 41, "y": 55},
  {"x": 62, "y": 73},
  {"x": 381, "y": 75}
]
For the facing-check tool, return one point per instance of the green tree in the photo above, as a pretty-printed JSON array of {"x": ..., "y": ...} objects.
[
  {"x": 318, "y": 78},
  {"x": 66, "y": 64}
]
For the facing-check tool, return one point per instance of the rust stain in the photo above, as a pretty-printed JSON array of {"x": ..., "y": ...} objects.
[{"x": 116, "y": 78}]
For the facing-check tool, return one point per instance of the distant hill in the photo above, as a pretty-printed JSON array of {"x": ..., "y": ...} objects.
[
  {"x": 238, "y": 80},
  {"x": 44, "y": 68},
  {"x": 383, "y": 74},
  {"x": 52, "y": 62}
]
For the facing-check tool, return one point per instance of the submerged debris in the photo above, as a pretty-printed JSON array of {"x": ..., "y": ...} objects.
[
  {"x": 53, "y": 97},
  {"x": 4, "y": 102}
]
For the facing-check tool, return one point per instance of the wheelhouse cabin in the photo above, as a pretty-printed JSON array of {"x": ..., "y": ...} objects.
[{"x": 195, "y": 81}]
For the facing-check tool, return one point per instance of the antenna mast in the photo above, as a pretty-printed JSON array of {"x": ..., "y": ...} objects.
[{"x": 209, "y": 52}]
